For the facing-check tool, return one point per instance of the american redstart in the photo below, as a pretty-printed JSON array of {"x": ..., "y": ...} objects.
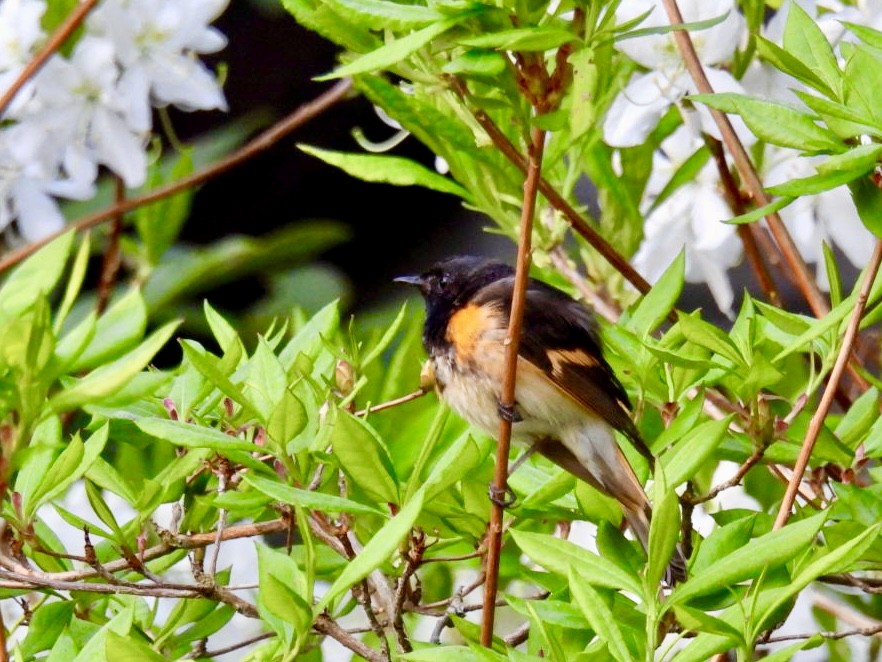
[{"x": 568, "y": 401}]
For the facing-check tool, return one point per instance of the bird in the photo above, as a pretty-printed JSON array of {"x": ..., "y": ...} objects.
[{"x": 568, "y": 400}]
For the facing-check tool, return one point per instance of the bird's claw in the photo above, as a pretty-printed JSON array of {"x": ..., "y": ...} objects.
[
  {"x": 504, "y": 498},
  {"x": 509, "y": 412}
]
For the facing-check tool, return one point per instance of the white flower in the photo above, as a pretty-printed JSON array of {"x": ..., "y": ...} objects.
[
  {"x": 692, "y": 218},
  {"x": 156, "y": 41},
  {"x": 20, "y": 32},
  {"x": 827, "y": 217},
  {"x": 82, "y": 106},
  {"x": 29, "y": 180},
  {"x": 637, "y": 108}
]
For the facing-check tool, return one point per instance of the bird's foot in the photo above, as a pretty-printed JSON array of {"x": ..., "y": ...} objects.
[
  {"x": 504, "y": 498},
  {"x": 509, "y": 412}
]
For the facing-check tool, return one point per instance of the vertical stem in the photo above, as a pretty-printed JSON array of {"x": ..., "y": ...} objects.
[
  {"x": 743, "y": 164},
  {"x": 53, "y": 44},
  {"x": 512, "y": 341},
  {"x": 110, "y": 264},
  {"x": 817, "y": 421}
]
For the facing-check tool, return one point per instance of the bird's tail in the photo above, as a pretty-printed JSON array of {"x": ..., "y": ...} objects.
[
  {"x": 639, "y": 521},
  {"x": 593, "y": 455}
]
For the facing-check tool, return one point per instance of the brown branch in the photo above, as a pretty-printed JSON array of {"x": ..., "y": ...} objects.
[
  {"x": 512, "y": 344},
  {"x": 391, "y": 403},
  {"x": 732, "y": 482},
  {"x": 55, "y": 42},
  {"x": 578, "y": 223},
  {"x": 817, "y": 420},
  {"x": 111, "y": 261},
  {"x": 746, "y": 171},
  {"x": 234, "y": 647},
  {"x": 248, "y": 151},
  {"x": 324, "y": 624},
  {"x": 4, "y": 654},
  {"x": 747, "y": 233}
]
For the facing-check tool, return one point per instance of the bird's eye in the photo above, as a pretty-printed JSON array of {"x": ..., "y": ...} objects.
[{"x": 444, "y": 281}]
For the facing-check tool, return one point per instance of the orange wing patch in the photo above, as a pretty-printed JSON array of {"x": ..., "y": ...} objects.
[
  {"x": 559, "y": 357},
  {"x": 467, "y": 328}
]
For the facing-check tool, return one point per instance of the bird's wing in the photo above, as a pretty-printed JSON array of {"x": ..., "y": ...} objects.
[{"x": 560, "y": 339}]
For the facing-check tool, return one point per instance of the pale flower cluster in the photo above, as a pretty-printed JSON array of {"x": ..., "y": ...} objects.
[
  {"x": 693, "y": 216},
  {"x": 93, "y": 107}
]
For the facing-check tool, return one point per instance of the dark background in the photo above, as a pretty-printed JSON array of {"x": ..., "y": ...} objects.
[{"x": 271, "y": 61}]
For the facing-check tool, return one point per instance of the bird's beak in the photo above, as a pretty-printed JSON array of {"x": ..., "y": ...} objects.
[{"x": 410, "y": 280}]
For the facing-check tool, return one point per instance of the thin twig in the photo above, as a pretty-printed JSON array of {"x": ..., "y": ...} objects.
[
  {"x": 518, "y": 636},
  {"x": 747, "y": 233},
  {"x": 248, "y": 151},
  {"x": 866, "y": 632},
  {"x": 391, "y": 403},
  {"x": 755, "y": 457},
  {"x": 512, "y": 344},
  {"x": 234, "y": 647},
  {"x": 223, "y": 477},
  {"x": 324, "y": 624},
  {"x": 820, "y": 414},
  {"x": 111, "y": 261},
  {"x": 55, "y": 42},
  {"x": 746, "y": 171},
  {"x": 555, "y": 199}
]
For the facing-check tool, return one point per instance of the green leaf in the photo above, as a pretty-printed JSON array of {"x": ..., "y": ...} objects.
[
  {"x": 866, "y": 34},
  {"x": 70, "y": 466},
  {"x": 833, "y": 275},
  {"x": 284, "y": 598},
  {"x": 804, "y": 40},
  {"x": 377, "y": 551},
  {"x": 45, "y": 626},
  {"x": 476, "y": 63},
  {"x": 287, "y": 420},
  {"x": 868, "y": 201},
  {"x": 121, "y": 624},
  {"x": 818, "y": 328},
  {"x": 383, "y": 343},
  {"x": 687, "y": 172},
  {"x": 185, "y": 271},
  {"x": 287, "y": 494},
  {"x": 216, "y": 373},
  {"x": 364, "y": 458},
  {"x": 537, "y": 38},
  {"x": 128, "y": 649},
  {"x": 34, "y": 277},
  {"x": 105, "y": 514},
  {"x": 221, "y": 329},
  {"x": 394, "y": 170},
  {"x": 558, "y": 555},
  {"x": 770, "y": 550},
  {"x": 859, "y": 160},
  {"x": 707, "y": 335},
  {"x": 655, "y": 306},
  {"x": 160, "y": 222},
  {"x": 775, "y": 122},
  {"x": 393, "y": 52},
  {"x": 696, "y": 620},
  {"x": 111, "y": 377},
  {"x": 811, "y": 185},
  {"x": 119, "y": 329},
  {"x": 266, "y": 380},
  {"x": 598, "y": 614},
  {"x": 383, "y": 15},
  {"x": 837, "y": 560},
  {"x": 692, "y": 26},
  {"x": 863, "y": 84},
  {"x": 664, "y": 530},
  {"x": 790, "y": 64},
  {"x": 761, "y": 212},
  {"x": 686, "y": 457},
  {"x": 74, "y": 283},
  {"x": 192, "y": 436}
]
